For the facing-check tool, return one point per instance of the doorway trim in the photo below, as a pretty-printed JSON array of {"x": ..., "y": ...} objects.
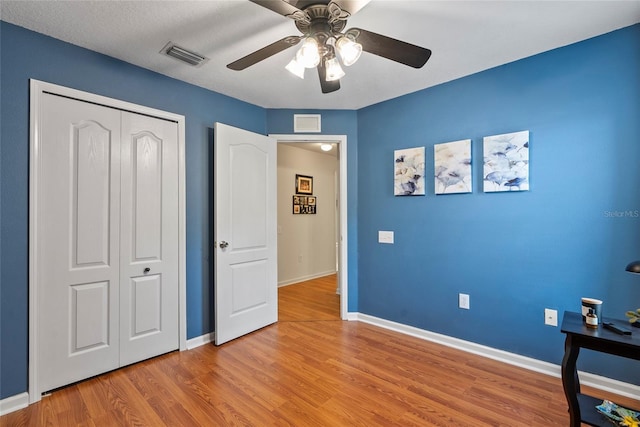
[
  {"x": 37, "y": 90},
  {"x": 343, "y": 258}
]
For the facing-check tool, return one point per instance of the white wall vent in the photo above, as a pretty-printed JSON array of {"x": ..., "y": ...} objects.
[
  {"x": 184, "y": 55},
  {"x": 306, "y": 123}
]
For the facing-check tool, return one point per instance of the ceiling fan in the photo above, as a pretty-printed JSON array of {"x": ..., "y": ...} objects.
[{"x": 323, "y": 40}]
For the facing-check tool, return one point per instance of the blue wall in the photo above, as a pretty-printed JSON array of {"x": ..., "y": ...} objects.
[
  {"x": 26, "y": 55},
  {"x": 515, "y": 253},
  {"x": 334, "y": 122}
]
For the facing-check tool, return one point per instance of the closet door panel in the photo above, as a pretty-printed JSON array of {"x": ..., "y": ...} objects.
[
  {"x": 149, "y": 242},
  {"x": 78, "y": 225},
  {"x": 146, "y": 171}
]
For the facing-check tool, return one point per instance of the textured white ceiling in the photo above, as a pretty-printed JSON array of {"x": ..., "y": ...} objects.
[{"x": 465, "y": 37}]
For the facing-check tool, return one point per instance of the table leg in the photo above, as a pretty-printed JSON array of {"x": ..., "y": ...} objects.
[{"x": 570, "y": 381}]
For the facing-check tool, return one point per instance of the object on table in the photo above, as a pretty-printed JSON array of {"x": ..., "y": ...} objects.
[{"x": 619, "y": 415}]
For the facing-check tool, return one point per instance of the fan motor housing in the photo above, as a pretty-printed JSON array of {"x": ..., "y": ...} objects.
[{"x": 320, "y": 22}]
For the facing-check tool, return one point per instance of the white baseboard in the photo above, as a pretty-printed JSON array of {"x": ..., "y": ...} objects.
[
  {"x": 607, "y": 384},
  {"x": 201, "y": 340},
  {"x": 352, "y": 316},
  {"x": 586, "y": 378},
  {"x": 305, "y": 278},
  {"x": 14, "y": 403}
]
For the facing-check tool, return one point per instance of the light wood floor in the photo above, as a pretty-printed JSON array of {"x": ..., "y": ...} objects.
[
  {"x": 310, "y": 369},
  {"x": 311, "y": 300}
]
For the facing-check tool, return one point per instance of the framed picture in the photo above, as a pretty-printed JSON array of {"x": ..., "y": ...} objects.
[
  {"x": 506, "y": 162},
  {"x": 304, "y": 205},
  {"x": 452, "y": 167},
  {"x": 408, "y": 172},
  {"x": 304, "y": 184}
]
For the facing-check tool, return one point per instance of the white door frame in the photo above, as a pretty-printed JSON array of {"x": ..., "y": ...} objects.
[
  {"x": 341, "y": 141},
  {"x": 37, "y": 90}
]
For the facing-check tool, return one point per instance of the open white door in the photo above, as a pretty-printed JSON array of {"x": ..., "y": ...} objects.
[{"x": 245, "y": 230}]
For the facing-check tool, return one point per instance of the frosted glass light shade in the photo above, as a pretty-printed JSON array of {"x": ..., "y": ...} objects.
[
  {"x": 349, "y": 50},
  {"x": 295, "y": 68},
  {"x": 334, "y": 70},
  {"x": 308, "y": 55}
]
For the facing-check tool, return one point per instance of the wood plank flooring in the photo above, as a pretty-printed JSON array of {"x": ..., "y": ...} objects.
[
  {"x": 311, "y": 300},
  {"x": 310, "y": 369}
]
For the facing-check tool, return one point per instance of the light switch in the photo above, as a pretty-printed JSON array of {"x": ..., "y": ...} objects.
[{"x": 385, "y": 237}]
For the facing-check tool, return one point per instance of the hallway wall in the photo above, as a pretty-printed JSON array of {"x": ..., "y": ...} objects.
[{"x": 306, "y": 242}]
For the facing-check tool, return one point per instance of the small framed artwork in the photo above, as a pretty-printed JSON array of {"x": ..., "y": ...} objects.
[
  {"x": 506, "y": 162},
  {"x": 408, "y": 172},
  {"x": 304, "y": 184},
  {"x": 452, "y": 166},
  {"x": 304, "y": 205}
]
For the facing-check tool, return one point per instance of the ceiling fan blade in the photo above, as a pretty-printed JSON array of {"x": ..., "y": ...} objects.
[
  {"x": 350, "y": 6},
  {"x": 283, "y": 8},
  {"x": 264, "y": 53},
  {"x": 395, "y": 50},
  {"x": 327, "y": 87}
]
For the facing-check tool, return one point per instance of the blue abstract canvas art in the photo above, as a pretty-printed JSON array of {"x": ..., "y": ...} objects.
[
  {"x": 409, "y": 172},
  {"x": 506, "y": 162},
  {"x": 452, "y": 167}
]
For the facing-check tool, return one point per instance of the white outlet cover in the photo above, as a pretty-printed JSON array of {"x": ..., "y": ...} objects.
[
  {"x": 550, "y": 317},
  {"x": 463, "y": 301},
  {"x": 385, "y": 237}
]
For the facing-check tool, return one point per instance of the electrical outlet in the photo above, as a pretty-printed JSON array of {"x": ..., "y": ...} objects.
[
  {"x": 385, "y": 237},
  {"x": 463, "y": 301},
  {"x": 550, "y": 317}
]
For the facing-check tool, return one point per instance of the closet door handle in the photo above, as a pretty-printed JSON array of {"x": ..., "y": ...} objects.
[
  {"x": 146, "y": 270},
  {"x": 223, "y": 244}
]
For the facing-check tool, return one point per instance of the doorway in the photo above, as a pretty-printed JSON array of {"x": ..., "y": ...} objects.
[{"x": 337, "y": 207}]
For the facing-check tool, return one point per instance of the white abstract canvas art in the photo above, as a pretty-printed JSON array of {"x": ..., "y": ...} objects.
[
  {"x": 506, "y": 162},
  {"x": 452, "y": 167},
  {"x": 409, "y": 172}
]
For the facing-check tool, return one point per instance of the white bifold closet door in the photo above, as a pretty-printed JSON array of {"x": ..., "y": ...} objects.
[{"x": 108, "y": 249}]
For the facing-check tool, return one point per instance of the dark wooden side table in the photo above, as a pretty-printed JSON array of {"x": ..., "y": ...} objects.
[{"x": 582, "y": 408}]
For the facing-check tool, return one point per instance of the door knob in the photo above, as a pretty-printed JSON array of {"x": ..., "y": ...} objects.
[
  {"x": 223, "y": 244},
  {"x": 146, "y": 270}
]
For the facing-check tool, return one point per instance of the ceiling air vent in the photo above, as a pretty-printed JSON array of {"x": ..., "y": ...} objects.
[{"x": 183, "y": 55}]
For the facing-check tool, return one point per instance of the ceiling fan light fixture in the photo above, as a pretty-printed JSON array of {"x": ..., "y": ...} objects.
[
  {"x": 309, "y": 54},
  {"x": 295, "y": 68},
  {"x": 321, "y": 25},
  {"x": 334, "y": 70},
  {"x": 349, "y": 50}
]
